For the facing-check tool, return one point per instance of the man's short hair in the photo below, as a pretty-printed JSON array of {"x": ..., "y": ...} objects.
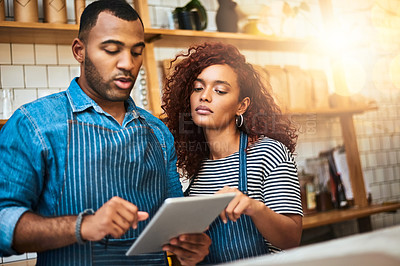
[{"x": 118, "y": 8}]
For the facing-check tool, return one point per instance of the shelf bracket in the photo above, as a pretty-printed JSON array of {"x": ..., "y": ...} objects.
[{"x": 153, "y": 38}]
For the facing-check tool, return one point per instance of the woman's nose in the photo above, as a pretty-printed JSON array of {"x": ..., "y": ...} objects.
[{"x": 205, "y": 95}]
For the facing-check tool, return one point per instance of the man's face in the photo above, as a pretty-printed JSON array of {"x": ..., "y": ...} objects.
[{"x": 113, "y": 57}]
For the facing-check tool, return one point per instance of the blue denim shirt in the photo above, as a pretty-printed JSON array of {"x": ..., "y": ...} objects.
[{"x": 33, "y": 147}]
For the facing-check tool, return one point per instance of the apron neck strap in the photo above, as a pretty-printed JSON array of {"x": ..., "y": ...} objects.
[
  {"x": 243, "y": 163},
  {"x": 242, "y": 166}
]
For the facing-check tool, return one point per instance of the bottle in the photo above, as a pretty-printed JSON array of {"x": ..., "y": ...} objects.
[
  {"x": 55, "y": 11},
  {"x": 26, "y": 11},
  {"x": 341, "y": 195},
  {"x": 227, "y": 18},
  {"x": 308, "y": 193}
]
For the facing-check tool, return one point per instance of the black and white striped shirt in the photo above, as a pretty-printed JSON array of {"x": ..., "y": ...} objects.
[{"x": 271, "y": 177}]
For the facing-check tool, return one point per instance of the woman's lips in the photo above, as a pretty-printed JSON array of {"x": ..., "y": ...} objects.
[
  {"x": 203, "y": 110},
  {"x": 124, "y": 83}
]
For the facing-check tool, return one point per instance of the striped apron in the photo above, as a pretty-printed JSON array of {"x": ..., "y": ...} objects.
[
  {"x": 102, "y": 163},
  {"x": 240, "y": 239}
]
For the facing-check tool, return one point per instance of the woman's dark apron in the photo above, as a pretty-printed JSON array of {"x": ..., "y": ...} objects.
[
  {"x": 102, "y": 163},
  {"x": 240, "y": 239}
]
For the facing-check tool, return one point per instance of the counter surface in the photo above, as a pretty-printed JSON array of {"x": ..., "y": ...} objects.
[{"x": 380, "y": 247}]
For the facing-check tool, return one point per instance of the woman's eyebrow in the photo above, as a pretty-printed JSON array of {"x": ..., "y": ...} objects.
[
  {"x": 215, "y": 82},
  {"x": 222, "y": 82}
]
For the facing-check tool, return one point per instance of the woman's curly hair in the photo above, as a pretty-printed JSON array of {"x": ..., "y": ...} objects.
[{"x": 262, "y": 118}]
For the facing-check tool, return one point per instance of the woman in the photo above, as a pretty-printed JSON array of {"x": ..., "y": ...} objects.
[{"x": 231, "y": 136}]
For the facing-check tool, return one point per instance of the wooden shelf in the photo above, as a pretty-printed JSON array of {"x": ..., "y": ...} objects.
[
  {"x": 335, "y": 216},
  {"x": 38, "y": 33},
  {"x": 47, "y": 33},
  {"x": 2, "y": 122},
  {"x": 178, "y": 38},
  {"x": 333, "y": 111}
]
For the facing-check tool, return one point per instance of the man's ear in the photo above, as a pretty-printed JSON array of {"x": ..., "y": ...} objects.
[
  {"x": 78, "y": 50},
  {"x": 243, "y": 105}
]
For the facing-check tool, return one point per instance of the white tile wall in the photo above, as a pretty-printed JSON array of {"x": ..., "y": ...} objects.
[
  {"x": 45, "y": 92},
  {"x": 363, "y": 144},
  {"x": 74, "y": 71},
  {"x": 46, "y": 54},
  {"x": 22, "y": 54},
  {"x": 396, "y": 185},
  {"x": 12, "y": 76},
  {"x": 396, "y": 138},
  {"x": 375, "y": 143},
  {"x": 23, "y": 96},
  {"x": 65, "y": 56},
  {"x": 390, "y": 175},
  {"x": 35, "y": 76},
  {"x": 58, "y": 76},
  {"x": 5, "y": 54},
  {"x": 386, "y": 142},
  {"x": 392, "y": 159},
  {"x": 163, "y": 17}
]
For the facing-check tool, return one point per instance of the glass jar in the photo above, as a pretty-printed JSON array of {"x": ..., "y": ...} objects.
[{"x": 308, "y": 193}]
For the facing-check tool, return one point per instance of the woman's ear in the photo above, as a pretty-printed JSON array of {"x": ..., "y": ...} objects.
[
  {"x": 78, "y": 50},
  {"x": 243, "y": 105}
]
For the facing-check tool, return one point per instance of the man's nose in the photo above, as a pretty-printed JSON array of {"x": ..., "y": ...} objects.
[{"x": 126, "y": 61}]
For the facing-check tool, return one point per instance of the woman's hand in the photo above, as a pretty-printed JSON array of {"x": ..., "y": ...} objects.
[{"x": 241, "y": 204}]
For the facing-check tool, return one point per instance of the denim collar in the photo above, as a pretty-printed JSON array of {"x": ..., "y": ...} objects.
[{"x": 80, "y": 101}]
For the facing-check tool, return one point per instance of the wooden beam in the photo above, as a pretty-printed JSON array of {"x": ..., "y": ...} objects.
[
  {"x": 149, "y": 62},
  {"x": 353, "y": 160}
]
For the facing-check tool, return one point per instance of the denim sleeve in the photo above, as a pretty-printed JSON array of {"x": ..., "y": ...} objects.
[{"x": 21, "y": 167}]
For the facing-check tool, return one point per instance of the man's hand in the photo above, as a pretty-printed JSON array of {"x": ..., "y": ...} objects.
[
  {"x": 189, "y": 248},
  {"x": 114, "y": 218}
]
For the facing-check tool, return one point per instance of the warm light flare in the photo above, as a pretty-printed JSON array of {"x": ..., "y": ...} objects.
[
  {"x": 354, "y": 76},
  {"x": 339, "y": 41},
  {"x": 394, "y": 71}
]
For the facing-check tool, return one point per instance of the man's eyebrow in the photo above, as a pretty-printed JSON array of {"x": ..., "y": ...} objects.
[
  {"x": 142, "y": 44},
  {"x": 113, "y": 42},
  {"x": 139, "y": 44}
]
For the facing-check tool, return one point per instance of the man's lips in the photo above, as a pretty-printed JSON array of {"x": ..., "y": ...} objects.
[
  {"x": 123, "y": 82},
  {"x": 203, "y": 110}
]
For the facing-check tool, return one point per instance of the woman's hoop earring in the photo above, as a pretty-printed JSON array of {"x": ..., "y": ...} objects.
[{"x": 239, "y": 120}]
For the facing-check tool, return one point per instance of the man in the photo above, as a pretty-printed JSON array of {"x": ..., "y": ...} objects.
[{"x": 82, "y": 170}]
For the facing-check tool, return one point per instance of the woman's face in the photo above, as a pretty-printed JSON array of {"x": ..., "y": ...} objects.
[{"x": 214, "y": 101}]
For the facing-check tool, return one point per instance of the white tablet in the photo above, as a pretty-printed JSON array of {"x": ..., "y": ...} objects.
[{"x": 178, "y": 216}]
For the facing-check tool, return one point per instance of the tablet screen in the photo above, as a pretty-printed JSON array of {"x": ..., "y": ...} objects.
[{"x": 178, "y": 216}]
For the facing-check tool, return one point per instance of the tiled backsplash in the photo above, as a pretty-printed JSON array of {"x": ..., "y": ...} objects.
[{"x": 35, "y": 70}]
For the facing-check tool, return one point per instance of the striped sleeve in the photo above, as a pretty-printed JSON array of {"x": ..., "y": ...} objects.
[{"x": 281, "y": 189}]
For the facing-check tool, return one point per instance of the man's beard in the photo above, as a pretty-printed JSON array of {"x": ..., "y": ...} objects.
[{"x": 99, "y": 85}]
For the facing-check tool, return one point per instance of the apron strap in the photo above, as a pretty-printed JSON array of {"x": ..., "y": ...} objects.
[
  {"x": 242, "y": 166},
  {"x": 243, "y": 163}
]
